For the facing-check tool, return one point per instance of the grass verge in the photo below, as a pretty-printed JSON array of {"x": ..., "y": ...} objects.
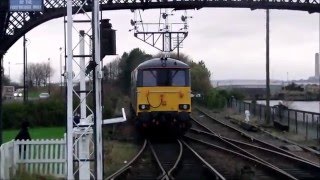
[
  {"x": 36, "y": 133},
  {"x": 27, "y": 176},
  {"x": 117, "y": 154}
]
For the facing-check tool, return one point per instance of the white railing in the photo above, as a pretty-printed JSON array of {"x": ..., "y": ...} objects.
[{"x": 46, "y": 157}]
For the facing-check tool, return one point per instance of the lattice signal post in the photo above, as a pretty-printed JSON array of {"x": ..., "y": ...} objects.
[
  {"x": 163, "y": 35},
  {"x": 84, "y": 133}
]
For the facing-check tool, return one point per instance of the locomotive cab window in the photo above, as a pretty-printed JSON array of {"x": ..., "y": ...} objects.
[
  {"x": 149, "y": 78},
  {"x": 165, "y": 77},
  {"x": 178, "y": 77}
]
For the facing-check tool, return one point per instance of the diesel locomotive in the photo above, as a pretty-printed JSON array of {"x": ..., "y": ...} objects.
[{"x": 161, "y": 96}]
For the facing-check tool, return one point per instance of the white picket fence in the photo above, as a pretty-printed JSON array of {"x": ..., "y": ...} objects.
[{"x": 47, "y": 157}]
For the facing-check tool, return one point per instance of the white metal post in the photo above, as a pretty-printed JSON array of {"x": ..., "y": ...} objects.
[
  {"x": 84, "y": 141},
  {"x": 83, "y": 113},
  {"x": 84, "y": 134},
  {"x": 318, "y": 64},
  {"x": 69, "y": 93},
  {"x": 98, "y": 77},
  {"x": 167, "y": 39}
]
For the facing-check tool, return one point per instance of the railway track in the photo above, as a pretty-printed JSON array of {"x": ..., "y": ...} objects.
[
  {"x": 170, "y": 160},
  {"x": 167, "y": 155},
  {"x": 230, "y": 131},
  {"x": 233, "y": 165},
  {"x": 296, "y": 167},
  {"x": 139, "y": 167}
]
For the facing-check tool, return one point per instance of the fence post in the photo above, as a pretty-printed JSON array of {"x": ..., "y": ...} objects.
[
  {"x": 307, "y": 128},
  {"x": 243, "y": 106},
  {"x": 260, "y": 112},
  {"x": 288, "y": 119},
  {"x": 272, "y": 113},
  {"x": 296, "y": 122},
  {"x": 2, "y": 161},
  {"x": 15, "y": 156},
  {"x": 318, "y": 127},
  {"x": 65, "y": 155},
  {"x": 312, "y": 120},
  {"x": 2, "y": 166}
]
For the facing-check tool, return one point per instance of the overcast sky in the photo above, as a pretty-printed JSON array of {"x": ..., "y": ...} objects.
[{"x": 230, "y": 41}]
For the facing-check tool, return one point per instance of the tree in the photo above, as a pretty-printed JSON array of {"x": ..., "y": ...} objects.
[
  {"x": 200, "y": 77},
  {"x": 293, "y": 87},
  {"x": 111, "y": 71},
  {"x": 5, "y": 80},
  {"x": 128, "y": 62},
  {"x": 47, "y": 71},
  {"x": 38, "y": 74}
]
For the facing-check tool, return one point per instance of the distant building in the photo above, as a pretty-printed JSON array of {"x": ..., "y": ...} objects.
[
  {"x": 313, "y": 88},
  {"x": 251, "y": 88}
]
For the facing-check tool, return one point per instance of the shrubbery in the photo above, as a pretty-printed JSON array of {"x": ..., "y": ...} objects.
[
  {"x": 44, "y": 113},
  {"x": 217, "y": 99},
  {"x": 39, "y": 113}
]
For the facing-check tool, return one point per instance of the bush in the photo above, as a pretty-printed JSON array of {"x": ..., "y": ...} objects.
[
  {"x": 216, "y": 99},
  {"x": 48, "y": 112},
  {"x": 237, "y": 95},
  {"x": 108, "y": 108}
]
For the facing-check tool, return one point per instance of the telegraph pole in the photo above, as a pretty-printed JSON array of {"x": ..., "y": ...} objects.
[
  {"x": 267, "y": 72},
  {"x": 24, "y": 69},
  {"x": 49, "y": 69},
  {"x": 60, "y": 70},
  {"x": 9, "y": 71}
]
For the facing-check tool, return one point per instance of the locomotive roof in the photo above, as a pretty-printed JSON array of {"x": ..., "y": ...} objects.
[{"x": 162, "y": 62}]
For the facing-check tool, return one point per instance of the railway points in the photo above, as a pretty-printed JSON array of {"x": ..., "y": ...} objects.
[{"x": 265, "y": 138}]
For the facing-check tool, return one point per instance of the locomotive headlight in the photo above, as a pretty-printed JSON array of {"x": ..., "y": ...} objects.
[
  {"x": 144, "y": 106},
  {"x": 184, "y": 106}
]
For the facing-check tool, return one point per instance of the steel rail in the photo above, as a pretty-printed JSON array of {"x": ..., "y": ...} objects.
[
  {"x": 246, "y": 153},
  {"x": 302, "y": 167},
  {"x": 174, "y": 167},
  {"x": 128, "y": 165},
  {"x": 273, "y": 148},
  {"x": 221, "y": 138},
  {"x": 267, "y": 165},
  {"x": 246, "y": 135},
  {"x": 164, "y": 173},
  {"x": 212, "y": 169},
  {"x": 232, "y": 141}
]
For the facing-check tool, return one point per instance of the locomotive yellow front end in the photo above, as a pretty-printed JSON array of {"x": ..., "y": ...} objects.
[
  {"x": 164, "y": 106},
  {"x": 162, "y": 96}
]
